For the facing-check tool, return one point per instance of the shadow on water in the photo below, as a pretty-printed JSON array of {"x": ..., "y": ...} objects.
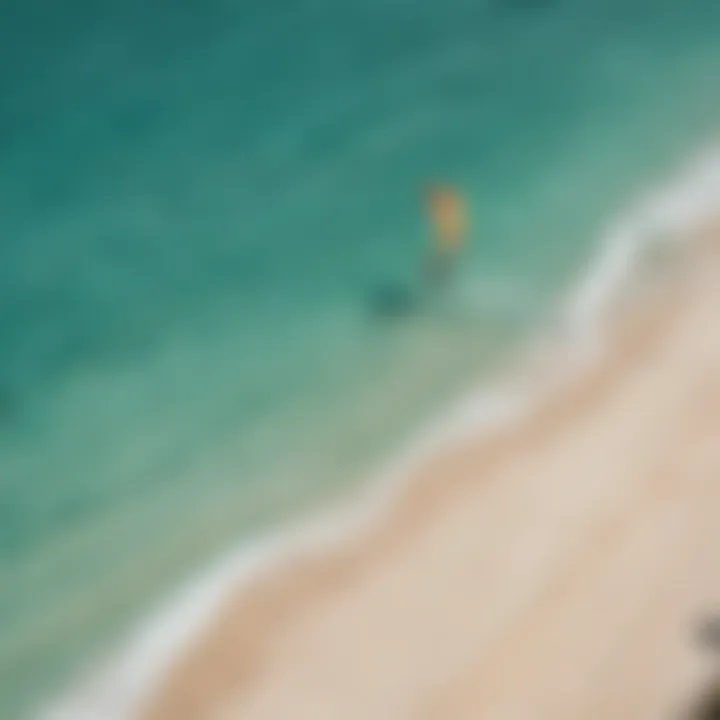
[
  {"x": 393, "y": 302},
  {"x": 437, "y": 300}
]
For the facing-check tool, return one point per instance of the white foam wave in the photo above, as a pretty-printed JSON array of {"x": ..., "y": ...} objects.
[
  {"x": 681, "y": 206},
  {"x": 120, "y": 689}
]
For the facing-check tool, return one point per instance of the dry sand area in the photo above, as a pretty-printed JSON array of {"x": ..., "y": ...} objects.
[{"x": 558, "y": 570}]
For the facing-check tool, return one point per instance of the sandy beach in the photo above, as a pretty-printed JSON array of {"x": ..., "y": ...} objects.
[{"x": 558, "y": 569}]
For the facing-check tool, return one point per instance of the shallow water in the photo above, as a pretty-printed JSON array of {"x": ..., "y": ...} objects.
[{"x": 198, "y": 209}]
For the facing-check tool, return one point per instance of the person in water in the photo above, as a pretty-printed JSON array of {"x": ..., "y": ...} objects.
[{"x": 449, "y": 230}]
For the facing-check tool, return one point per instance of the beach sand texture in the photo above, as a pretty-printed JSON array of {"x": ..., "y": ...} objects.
[{"x": 558, "y": 569}]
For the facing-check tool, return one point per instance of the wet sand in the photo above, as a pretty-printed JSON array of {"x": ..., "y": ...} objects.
[{"x": 558, "y": 569}]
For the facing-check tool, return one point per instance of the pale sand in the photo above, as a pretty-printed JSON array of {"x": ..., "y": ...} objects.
[{"x": 559, "y": 570}]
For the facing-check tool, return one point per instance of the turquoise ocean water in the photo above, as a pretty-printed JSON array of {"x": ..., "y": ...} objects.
[{"x": 198, "y": 204}]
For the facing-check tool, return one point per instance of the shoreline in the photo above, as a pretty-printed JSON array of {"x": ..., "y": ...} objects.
[
  {"x": 127, "y": 685},
  {"x": 367, "y": 614}
]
